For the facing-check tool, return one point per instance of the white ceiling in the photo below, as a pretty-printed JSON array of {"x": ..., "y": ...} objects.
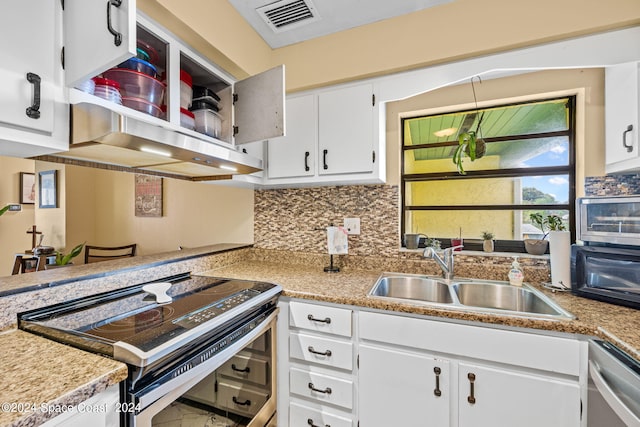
[{"x": 321, "y": 17}]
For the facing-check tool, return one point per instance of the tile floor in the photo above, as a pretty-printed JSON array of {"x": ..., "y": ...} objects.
[{"x": 181, "y": 415}]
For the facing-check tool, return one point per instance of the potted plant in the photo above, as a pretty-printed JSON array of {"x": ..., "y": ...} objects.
[
  {"x": 548, "y": 223},
  {"x": 487, "y": 243},
  {"x": 3, "y": 210},
  {"x": 62, "y": 259}
]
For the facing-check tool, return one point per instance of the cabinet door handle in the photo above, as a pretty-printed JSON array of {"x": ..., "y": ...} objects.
[
  {"x": 245, "y": 370},
  {"x": 306, "y": 161},
  {"x": 321, "y": 353},
  {"x": 237, "y": 402},
  {"x": 326, "y": 320},
  {"x": 327, "y": 390},
  {"x": 629, "y": 147},
  {"x": 33, "y": 112},
  {"x": 324, "y": 159},
  {"x": 472, "y": 378},
  {"x": 310, "y": 422},
  {"x": 117, "y": 37},
  {"x": 437, "y": 391}
]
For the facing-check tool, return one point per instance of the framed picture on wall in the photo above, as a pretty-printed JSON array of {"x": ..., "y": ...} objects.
[
  {"x": 27, "y": 188},
  {"x": 48, "y": 189},
  {"x": 148, "y": 195}
]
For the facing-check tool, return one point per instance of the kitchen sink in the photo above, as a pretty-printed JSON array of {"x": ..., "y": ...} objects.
[
  {"x": 413, "y": 288},
  {"x": 504, "y": 297},
  {"x": 467, "y": 294}
]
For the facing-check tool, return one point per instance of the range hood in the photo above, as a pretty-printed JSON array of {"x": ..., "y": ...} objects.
[{"x": 102, "y": 136}]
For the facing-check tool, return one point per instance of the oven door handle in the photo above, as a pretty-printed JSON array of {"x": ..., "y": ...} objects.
[{"x": 611, "y": 398}]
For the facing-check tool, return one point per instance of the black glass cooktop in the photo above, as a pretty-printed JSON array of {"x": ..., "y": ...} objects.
[{"x": 133, "y": 316}]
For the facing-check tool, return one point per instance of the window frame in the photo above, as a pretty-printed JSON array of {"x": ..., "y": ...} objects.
[{"x": 500, "y": 245}]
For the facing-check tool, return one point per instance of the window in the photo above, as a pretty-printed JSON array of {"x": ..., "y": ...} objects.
[{"x": 529, "y": 165}]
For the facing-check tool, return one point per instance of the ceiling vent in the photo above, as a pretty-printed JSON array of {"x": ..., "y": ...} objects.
[{"x": 285, "y": 15}]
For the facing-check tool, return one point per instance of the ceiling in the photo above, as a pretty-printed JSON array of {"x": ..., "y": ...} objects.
[{"x": 285, "y": 22}]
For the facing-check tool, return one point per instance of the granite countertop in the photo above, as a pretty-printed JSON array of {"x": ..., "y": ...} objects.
[
  {"x": 614, "y": 323},
  {"x": 37, "y": 371}
]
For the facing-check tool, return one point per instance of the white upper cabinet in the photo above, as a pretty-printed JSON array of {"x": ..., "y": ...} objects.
[
  {"x": 334, "y": 136},
  {"x": 345, "y": 130},
  {"x": 98, "y": 34},
  {"x": 294, "y": 155},
  {"x": 33, "y": 117},
  {"x": 622, "y": 117}
]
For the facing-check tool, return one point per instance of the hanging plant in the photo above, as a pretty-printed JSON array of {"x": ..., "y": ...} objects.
[{"x": 470, "y": 142}]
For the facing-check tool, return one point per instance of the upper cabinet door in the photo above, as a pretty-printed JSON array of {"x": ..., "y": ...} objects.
[
  {"x": 27, "y": 71},
  {"x": 98, "y": 34},
  {"x": 345, "y": 130},
  {"x": 622, "y": 100},
  {"x": 259, "y": 108}
]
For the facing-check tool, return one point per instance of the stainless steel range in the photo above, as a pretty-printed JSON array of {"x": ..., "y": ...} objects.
[{"x": 195, "y": 346}]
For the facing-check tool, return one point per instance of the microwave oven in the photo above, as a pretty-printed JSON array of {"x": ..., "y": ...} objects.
[
  {"x": 606, "y": 273},
  {"x": 605, "y": 261}
]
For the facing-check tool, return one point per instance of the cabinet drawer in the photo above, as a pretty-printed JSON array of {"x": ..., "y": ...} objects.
[
  {"x": 303, "y": 416},
  {"x": 240, "y": 399},
  {"x": 331, "y": 320},
  {"x": 555, "y": 354},
  {"x": 325, "y": 351},
  {"x": 321, "y": 387},
  {"x": 246, "y": 367}
]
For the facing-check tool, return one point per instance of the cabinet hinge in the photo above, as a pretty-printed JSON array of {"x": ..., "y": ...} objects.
[
  {"x": 373, "y": 155},
  {"x": 62, "y": 57},
  {"x": 373, "y": 100},
  {"x": 235, "y": 98},
  {"x": 358, "y": 361},
  {"x": 235, "y": 130}
]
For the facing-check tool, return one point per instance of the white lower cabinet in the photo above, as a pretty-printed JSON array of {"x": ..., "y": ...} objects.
[
  {"x": 503, "y": 397},
  {"x": 98, "y": 411},
  {"x": 401, "y": 388},
  {"x": 414, "y": 371}
]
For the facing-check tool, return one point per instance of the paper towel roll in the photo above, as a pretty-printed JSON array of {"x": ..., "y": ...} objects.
[
  {"x": 337, "y": 241},
  {"x": 560, "y": 257}
]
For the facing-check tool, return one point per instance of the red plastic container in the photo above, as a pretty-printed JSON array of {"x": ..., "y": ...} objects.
[{"x": 137, "y": 85}]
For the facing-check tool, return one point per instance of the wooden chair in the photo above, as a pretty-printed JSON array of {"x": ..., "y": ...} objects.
[{"x": 105, "y": 253}]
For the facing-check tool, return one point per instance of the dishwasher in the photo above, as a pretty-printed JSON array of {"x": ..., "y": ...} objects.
[{"x": 614, "y": 387}]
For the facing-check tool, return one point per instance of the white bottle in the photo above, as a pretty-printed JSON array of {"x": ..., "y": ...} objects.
[{"x": 515, "y": 274}]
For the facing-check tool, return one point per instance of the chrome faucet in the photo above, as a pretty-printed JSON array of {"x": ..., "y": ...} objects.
[{"x": 446, "y": 262}]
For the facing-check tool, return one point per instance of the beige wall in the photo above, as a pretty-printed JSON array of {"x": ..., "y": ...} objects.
[
  {"x": 456, "y": 30},
  {"x": 13, "y": 225},
  {"x": 588, "y": 84},
  {"x": 100, "y": 211}
]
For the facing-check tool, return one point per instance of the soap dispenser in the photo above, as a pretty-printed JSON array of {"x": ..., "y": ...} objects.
[{"x": 515, "y": 274}]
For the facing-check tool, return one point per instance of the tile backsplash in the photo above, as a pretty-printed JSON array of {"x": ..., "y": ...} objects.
[
  {"x": 295, "y": 219},
  {"x": 612, "y": 185}
]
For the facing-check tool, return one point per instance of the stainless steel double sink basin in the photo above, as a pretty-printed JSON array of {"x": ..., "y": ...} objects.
[{"x": 467, "y": 294}]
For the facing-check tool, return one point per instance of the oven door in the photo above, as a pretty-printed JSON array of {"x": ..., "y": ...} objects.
[
  {"x": 607, "y": 274},
  {"x": 236, "y": 387}
]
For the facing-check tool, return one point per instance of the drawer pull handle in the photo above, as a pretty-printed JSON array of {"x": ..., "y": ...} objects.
[
  {"x": 237, "y": 402},
  {"x": 472, "y": 378},
  {"x": 437, "y": 391},
  {"x": 117, "y": 37},
  {"x": 245, "y": 370},
  {"x": 321, "y": 353},
  {"x": 327, "y": 390},
  {"x": 33, "y": 112},
  {"x": 326, "y": 320},
  {"x": 310, "y": 422},
  {"x": 629, "y": 147}
]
